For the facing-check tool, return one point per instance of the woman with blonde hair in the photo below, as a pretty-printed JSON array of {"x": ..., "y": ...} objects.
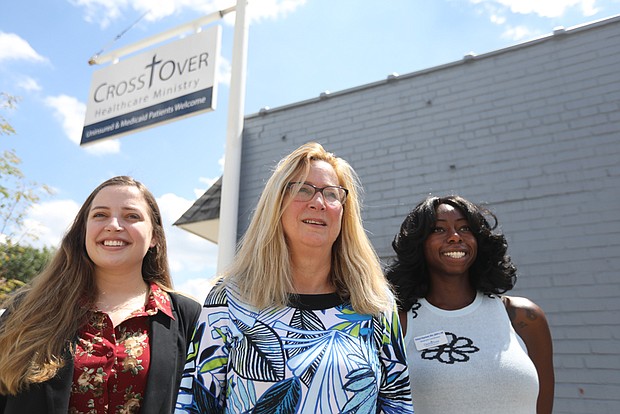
[
  {"x": 100, "y": 329},
  {"x": 303, "y": 320}
]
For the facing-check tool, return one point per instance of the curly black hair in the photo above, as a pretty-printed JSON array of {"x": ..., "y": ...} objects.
[{"x": 492, "y": 272}]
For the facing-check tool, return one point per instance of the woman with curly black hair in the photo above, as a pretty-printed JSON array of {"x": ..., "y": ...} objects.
[{"x": 470, "y": 348}]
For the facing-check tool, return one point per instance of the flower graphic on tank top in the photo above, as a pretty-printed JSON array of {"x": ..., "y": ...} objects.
[{"x": 456, "y": 350}]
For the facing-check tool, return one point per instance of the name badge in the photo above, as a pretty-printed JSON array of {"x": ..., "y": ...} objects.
[{"x": 430, "y": 340}]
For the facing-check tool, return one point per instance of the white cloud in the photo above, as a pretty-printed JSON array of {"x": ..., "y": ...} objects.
[
  {"x": 500, "y": 12},
  {"x": 272, "y": 9},
  {"x": 49, "y": 220},
  {"x": 198, "y": 192},
  {"x": 517, "y": 33},
  {"x": 167, "y": 7},
  {"x": 13, "y": 47},
  {"x": 549, "y": 8},
  {"x": 103, "y": 147},
  {"x": 546, "y": 8},
  {"x": 497, "y": 19},
  {"x": 29, "y": 84},
  {"x": 70, "y": 112},
  {"x": 104, "y": 12},
  {"x": 101, "y": 11},
  {"x": 208, "y": 182},
  {"x": 190, "y": 256}
]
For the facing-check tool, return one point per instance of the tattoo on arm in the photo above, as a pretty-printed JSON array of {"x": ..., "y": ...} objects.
[{"x": 531, "y": 315}]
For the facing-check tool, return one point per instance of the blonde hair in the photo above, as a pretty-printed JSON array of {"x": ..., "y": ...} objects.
[
  {"x": 261, "y": 268},
  {"x": 43, "y": 318}
]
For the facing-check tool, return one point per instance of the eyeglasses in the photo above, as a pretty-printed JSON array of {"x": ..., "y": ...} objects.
[{"x": 332, "y": 194}]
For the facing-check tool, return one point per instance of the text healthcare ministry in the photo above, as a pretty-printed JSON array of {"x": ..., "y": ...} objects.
[{"x": 144, "y": 99}]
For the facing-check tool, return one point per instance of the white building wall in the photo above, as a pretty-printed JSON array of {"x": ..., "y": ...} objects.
[{"x": 532, "y": 130}]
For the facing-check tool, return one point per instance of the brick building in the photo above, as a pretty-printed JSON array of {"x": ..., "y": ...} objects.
[{"x": 532, "y": 130}]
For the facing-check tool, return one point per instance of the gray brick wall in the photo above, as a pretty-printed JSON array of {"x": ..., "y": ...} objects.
[{"x": 534, "y": 131}]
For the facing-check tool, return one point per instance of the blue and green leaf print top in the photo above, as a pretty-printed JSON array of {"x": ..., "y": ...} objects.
[{"x": 315, "y": 356}]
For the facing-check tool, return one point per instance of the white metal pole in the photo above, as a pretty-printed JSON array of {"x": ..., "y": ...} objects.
[{"x": 229, "y": 202}]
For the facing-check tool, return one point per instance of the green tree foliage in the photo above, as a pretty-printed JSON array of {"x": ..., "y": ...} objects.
[
  {"x": 17, "y": 194},
  {"x": 8, "y": 286},
  {"x": 6, "y": 102},
  {"x": 22, "y": 262},
  {"x": 18, "y": 263}
]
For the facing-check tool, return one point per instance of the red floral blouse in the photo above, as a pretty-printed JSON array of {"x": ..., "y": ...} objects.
[{"x": 111, "y": 364}]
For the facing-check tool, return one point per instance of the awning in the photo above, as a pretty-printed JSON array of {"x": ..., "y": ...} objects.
[{"x": 203, "y": 217}]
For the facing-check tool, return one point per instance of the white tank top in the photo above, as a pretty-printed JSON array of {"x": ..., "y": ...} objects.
[{"x": 471, "y": 361}]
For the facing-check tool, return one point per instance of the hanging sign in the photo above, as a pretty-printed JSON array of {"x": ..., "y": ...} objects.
[{"x": 169, "y": 83}]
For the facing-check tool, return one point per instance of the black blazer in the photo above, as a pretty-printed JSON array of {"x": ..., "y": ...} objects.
[{"x": 169, "y": 341}]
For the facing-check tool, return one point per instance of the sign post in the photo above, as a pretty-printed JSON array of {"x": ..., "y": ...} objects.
[{"x": 229, "y": 202}]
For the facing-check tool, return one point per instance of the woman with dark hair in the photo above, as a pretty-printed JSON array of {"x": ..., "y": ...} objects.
[
  {"x": 100, "y": 330},
  {"x": 470, "y": 348}
]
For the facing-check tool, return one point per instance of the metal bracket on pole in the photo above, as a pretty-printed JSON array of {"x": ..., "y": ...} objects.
[{"x": 194, "y": 25}]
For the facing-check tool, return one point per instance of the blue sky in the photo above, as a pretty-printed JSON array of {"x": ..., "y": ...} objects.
[{"x": 297, "y": 49}]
